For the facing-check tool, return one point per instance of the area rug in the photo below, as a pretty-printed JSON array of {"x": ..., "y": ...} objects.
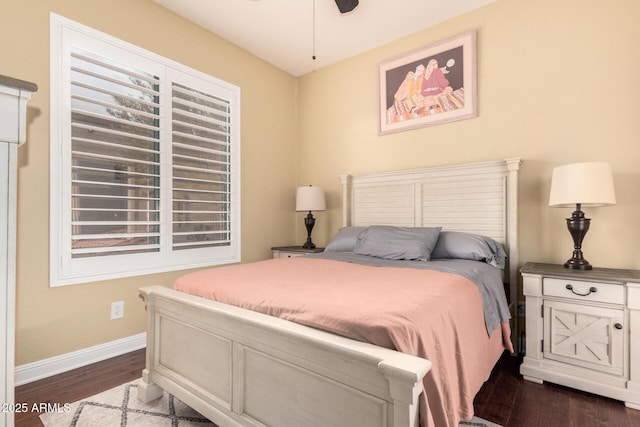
[{"x": 120, "y": 407}]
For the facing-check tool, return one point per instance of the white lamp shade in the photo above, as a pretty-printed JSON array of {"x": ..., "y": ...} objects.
[
  {"x": 590, "y": 184},
  {"x": 310, "y": 198}
]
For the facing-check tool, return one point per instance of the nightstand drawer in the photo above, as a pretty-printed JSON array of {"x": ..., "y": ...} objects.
[
  {"x": 584, "y": 291},
  {"x": 283, "y": 254},
  {"x": 293, "y": 251}
]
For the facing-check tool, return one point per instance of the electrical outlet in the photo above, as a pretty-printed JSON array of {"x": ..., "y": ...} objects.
[{"x": 117, "y": 310}]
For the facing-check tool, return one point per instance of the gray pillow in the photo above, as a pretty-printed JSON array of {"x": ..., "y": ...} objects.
[
  {"x": 345, "y": 239},
  {"x": 397, "y": 242},
  {"x": 459, "y": 245}
]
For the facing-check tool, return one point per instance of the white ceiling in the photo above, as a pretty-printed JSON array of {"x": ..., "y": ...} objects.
[{"x": 281, "y": 32}]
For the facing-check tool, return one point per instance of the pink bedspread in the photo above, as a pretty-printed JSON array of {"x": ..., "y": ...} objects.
[{"x": 434, "y": 315}]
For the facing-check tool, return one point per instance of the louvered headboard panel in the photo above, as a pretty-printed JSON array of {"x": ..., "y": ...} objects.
[
  {"x": 384, "y": 204},
  {"x": 480, "y": 198},
  {"x": 474, "y": 204}
]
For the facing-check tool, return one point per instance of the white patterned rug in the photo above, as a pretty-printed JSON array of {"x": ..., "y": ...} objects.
[{"x": 120, "y": 407}]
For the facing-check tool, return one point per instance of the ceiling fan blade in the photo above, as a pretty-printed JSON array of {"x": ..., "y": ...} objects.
[{"x": 346, "y": 5}]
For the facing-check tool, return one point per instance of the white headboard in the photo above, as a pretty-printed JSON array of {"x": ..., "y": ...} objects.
[{"x": 480, "y": 198}]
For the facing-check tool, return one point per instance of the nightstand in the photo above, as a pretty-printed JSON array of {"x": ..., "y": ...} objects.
[
  {"x": 293, "y": 251},
  {"x": 583, "y": 329}
]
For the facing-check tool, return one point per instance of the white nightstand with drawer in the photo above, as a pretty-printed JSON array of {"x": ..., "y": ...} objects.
[{"x": 583, "y": 329}]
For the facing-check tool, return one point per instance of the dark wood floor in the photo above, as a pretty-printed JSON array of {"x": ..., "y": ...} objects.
[
  {"x": 505, "y": 399},
  {"x": 78, "y": 384}
]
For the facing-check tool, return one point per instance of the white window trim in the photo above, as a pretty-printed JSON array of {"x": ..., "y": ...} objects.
[{"x": 129, "y": 265}]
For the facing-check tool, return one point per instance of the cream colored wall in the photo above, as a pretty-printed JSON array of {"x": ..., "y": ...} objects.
[
  {"x": 54, "y": 321},
  {"x": 557, "y": 83}
]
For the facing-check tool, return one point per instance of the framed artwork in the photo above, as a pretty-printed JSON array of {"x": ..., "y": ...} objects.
[{"x": 430, "y": 86}]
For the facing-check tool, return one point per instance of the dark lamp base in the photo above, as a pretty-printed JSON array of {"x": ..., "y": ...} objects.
[
  {"x": 578, "y": 226},
  {"x": 309, "y": 222},
  {"x": 578, "y": 264},
  {"x": 308, "y": 245}
]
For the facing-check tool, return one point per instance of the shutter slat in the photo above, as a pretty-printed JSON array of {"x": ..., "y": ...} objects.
[
  {"x": 199, "y": 159},
  {"x": 199, "y": 138},
  {"x": 76, "y": 53},
  {"x": 194, "y": 94},
  {"x": 133, "y": 173},
  {"x": 196, "y": 244},
  {"x": 114, "y": 120},
  {"x": 112, "y": 145},
  {"x": 115, "y": 158},
  {"x": 113, "y": 236},
  {"x": 102, "y": 196},
  {"x": 117, "y": 82},
  {"x": 202, "y": 128},
  {"x": 202, "y": 170},
  {"x": 186, "y": 105},
  {"x": 105, "y": 250},
  {"x": 195, "y": 190},
  {"x": 114, "y": 223},
  {"x": 113, "y": 184},
  {"x": 99, "y": 89},
  {"x": 114, "y": 132},
  {"x": 200, "y": 181},
  {"x": 179, "y": 211}
]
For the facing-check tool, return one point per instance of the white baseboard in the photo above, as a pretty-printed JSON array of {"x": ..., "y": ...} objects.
[{"x": 56, "y": 365}]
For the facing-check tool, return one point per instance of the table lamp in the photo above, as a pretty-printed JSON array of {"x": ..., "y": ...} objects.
[
  {"x": 581, "y": 184},
  {"x": 310, "y": 198}
]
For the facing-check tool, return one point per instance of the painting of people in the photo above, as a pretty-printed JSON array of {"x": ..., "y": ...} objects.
[{"x": 433, "y": 85}]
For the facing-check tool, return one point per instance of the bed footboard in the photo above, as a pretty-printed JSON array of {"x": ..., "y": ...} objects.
[{"x": 241, "y": 368}]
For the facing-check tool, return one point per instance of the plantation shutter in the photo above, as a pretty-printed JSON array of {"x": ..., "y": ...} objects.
[
  {"x": 201, "y": 163},
  {"x": 115, "y": 158},
  {"x": 145, "y": 161}
]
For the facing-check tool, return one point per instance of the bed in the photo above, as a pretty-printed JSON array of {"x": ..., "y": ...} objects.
[{"x": 240, "y": 367}]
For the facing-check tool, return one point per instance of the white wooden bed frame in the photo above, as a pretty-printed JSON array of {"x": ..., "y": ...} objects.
[{"x": 242, "y": 368}]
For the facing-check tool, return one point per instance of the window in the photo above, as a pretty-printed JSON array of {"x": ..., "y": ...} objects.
[{"x": 144, "y": 161}]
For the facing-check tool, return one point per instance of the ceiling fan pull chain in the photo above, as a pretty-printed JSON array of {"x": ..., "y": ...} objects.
[{"x": 314, "y": 30}]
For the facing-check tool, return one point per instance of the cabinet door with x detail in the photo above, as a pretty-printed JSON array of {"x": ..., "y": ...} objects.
[{"x": 584, "y": 335}]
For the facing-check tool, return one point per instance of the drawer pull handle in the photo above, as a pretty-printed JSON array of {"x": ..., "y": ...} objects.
[
  {"x": 592, "y": 290},
  {"x": 618, "y": 325}
]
